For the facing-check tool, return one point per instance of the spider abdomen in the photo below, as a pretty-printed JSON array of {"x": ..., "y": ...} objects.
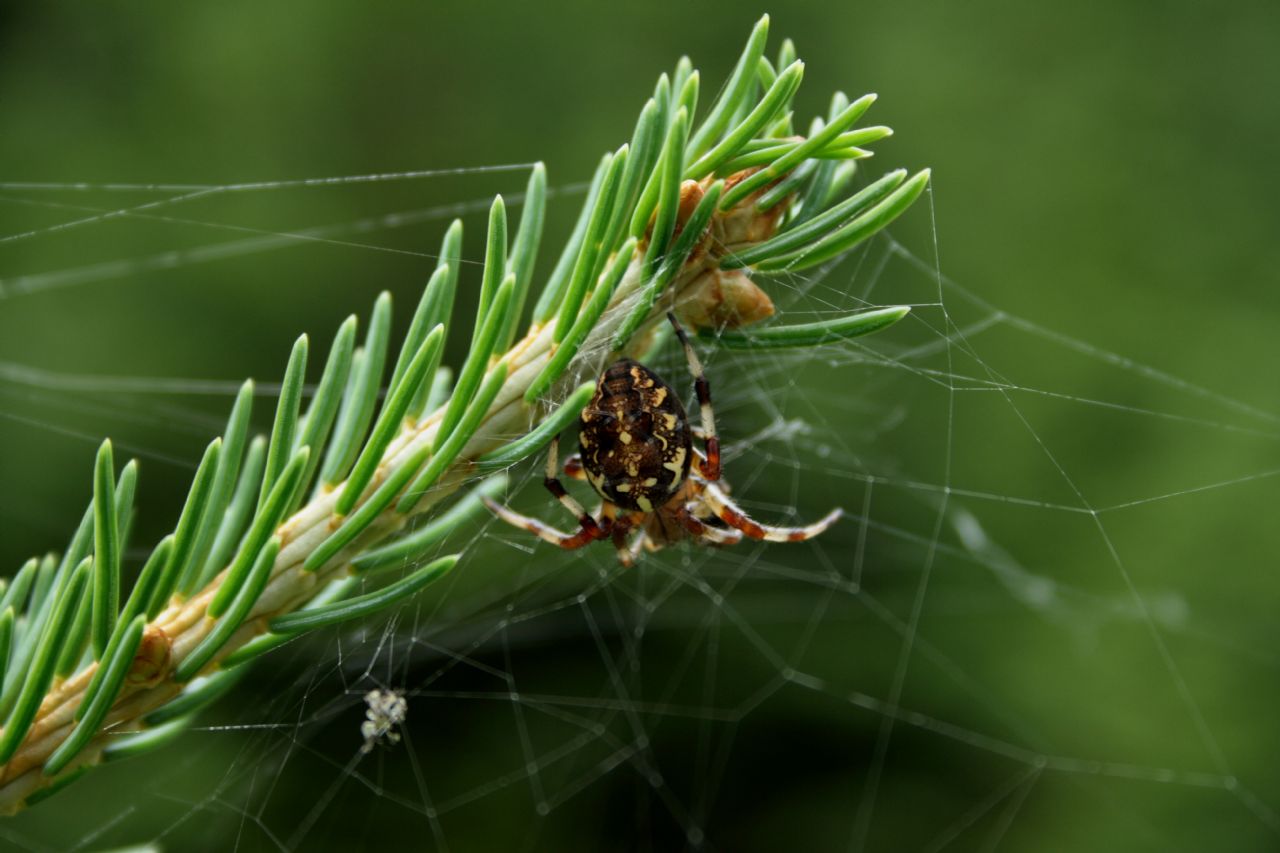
[{"x": 636, "y": 443}]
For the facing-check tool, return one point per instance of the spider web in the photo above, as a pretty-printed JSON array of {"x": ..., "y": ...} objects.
[{"x": 985, "y": 643}]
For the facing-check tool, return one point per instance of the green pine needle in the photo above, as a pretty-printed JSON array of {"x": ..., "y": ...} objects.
[
  {"x": 735, "y": 91},
  {"x": 780, "y": 92},
  {"x": 230, "y": 457},
  {"x": 671, "y": 167},
  {"x": 40, "y": 674},
  {"x": 390, "y": 420},
  {"x": 368, "y": 512},
  {"x": 477, "y": 362},
  {"x": 363, "y": 605},
  {"x": 816, "y": 228},
  {"x": 495, "y": 258},
  {"x": 335, "y": 591},
  {"x": 553, "y": 291},
  {"x": 361, "y": 396},
  {"x": 585, "y": 321},
  {"x": 114, "y": 667},
  {"x": 524, "y": 250},
  {"x": 408, "y": 549},
  {"x": 847, "y": 236},
  {"x": 806, "y": 149},
  {"x": 129, "y": 746},
  {"x": 268, "y": 518},
  {"x": 286, "y": 422},
  {"x": 689, "y": 236},
  {"x": 196, "y": 518},
  {"x": 6, "y": 639},
  {"x": 234, "y": 614},
  {"x": 106, "y": 550},
  {"x": 234, "y": 519},
  {"x": 810, "y": 334},
  {"x": 594, "y": 251},
  {"x": 157, "y": 570},
  {"x": 198, "y": 693},
  {"x": 323, "y": 410},
  {"x": 456, "y": 439}
]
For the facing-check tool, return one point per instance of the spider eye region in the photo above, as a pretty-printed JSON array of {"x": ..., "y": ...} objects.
[{"x": 635, "y": 438}]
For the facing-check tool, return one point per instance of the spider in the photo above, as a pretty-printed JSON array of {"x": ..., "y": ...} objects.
[{"x": 638, "y": 455}]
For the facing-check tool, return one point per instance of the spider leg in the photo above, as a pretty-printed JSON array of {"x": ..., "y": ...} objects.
[
  {"x": 566, "y": 500},
  {"x": 641, "y": 542},
  {"x": 573, "y": 467},
  {"x": 734, "y": 516},
  {"x": 589, "y": 529},
  {"x": 621, "y": 528},
  {"x": 702, "y": 530},
  {"x": 699, "y": 469},
  {"x": 711, "y": 469},
  {"x": 545, "y": 532}
]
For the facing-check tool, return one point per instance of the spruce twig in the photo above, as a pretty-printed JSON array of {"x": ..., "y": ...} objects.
[{"x": 278, "y": 535}]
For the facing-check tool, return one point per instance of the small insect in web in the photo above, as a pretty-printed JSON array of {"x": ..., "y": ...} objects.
[
  {"x": 656, "y": 487},
  {"x": 387, "y": 710}
]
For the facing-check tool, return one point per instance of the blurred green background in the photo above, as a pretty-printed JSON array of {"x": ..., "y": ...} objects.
[{"x": 1096, "y": 670}]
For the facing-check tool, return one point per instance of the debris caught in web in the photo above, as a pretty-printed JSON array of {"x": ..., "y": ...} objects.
[{"x": 387, "y": 710}]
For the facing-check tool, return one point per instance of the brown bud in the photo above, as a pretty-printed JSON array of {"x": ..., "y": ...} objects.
[
  {"x": 720, "y": 299},
  {"x": 691, "y": 192},
  {"x": 743, "y": 224},
  {"x": 153, "y": 659}
]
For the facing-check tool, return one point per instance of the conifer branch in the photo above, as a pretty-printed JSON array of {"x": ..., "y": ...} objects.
[{"x": 278, "y": 533}]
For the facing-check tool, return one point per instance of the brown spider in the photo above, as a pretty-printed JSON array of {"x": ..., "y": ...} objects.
[{"x": 638, "y": 454}]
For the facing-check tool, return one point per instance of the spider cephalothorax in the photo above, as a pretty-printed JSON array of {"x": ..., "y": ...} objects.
[{"x": 638, "y": 455}]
